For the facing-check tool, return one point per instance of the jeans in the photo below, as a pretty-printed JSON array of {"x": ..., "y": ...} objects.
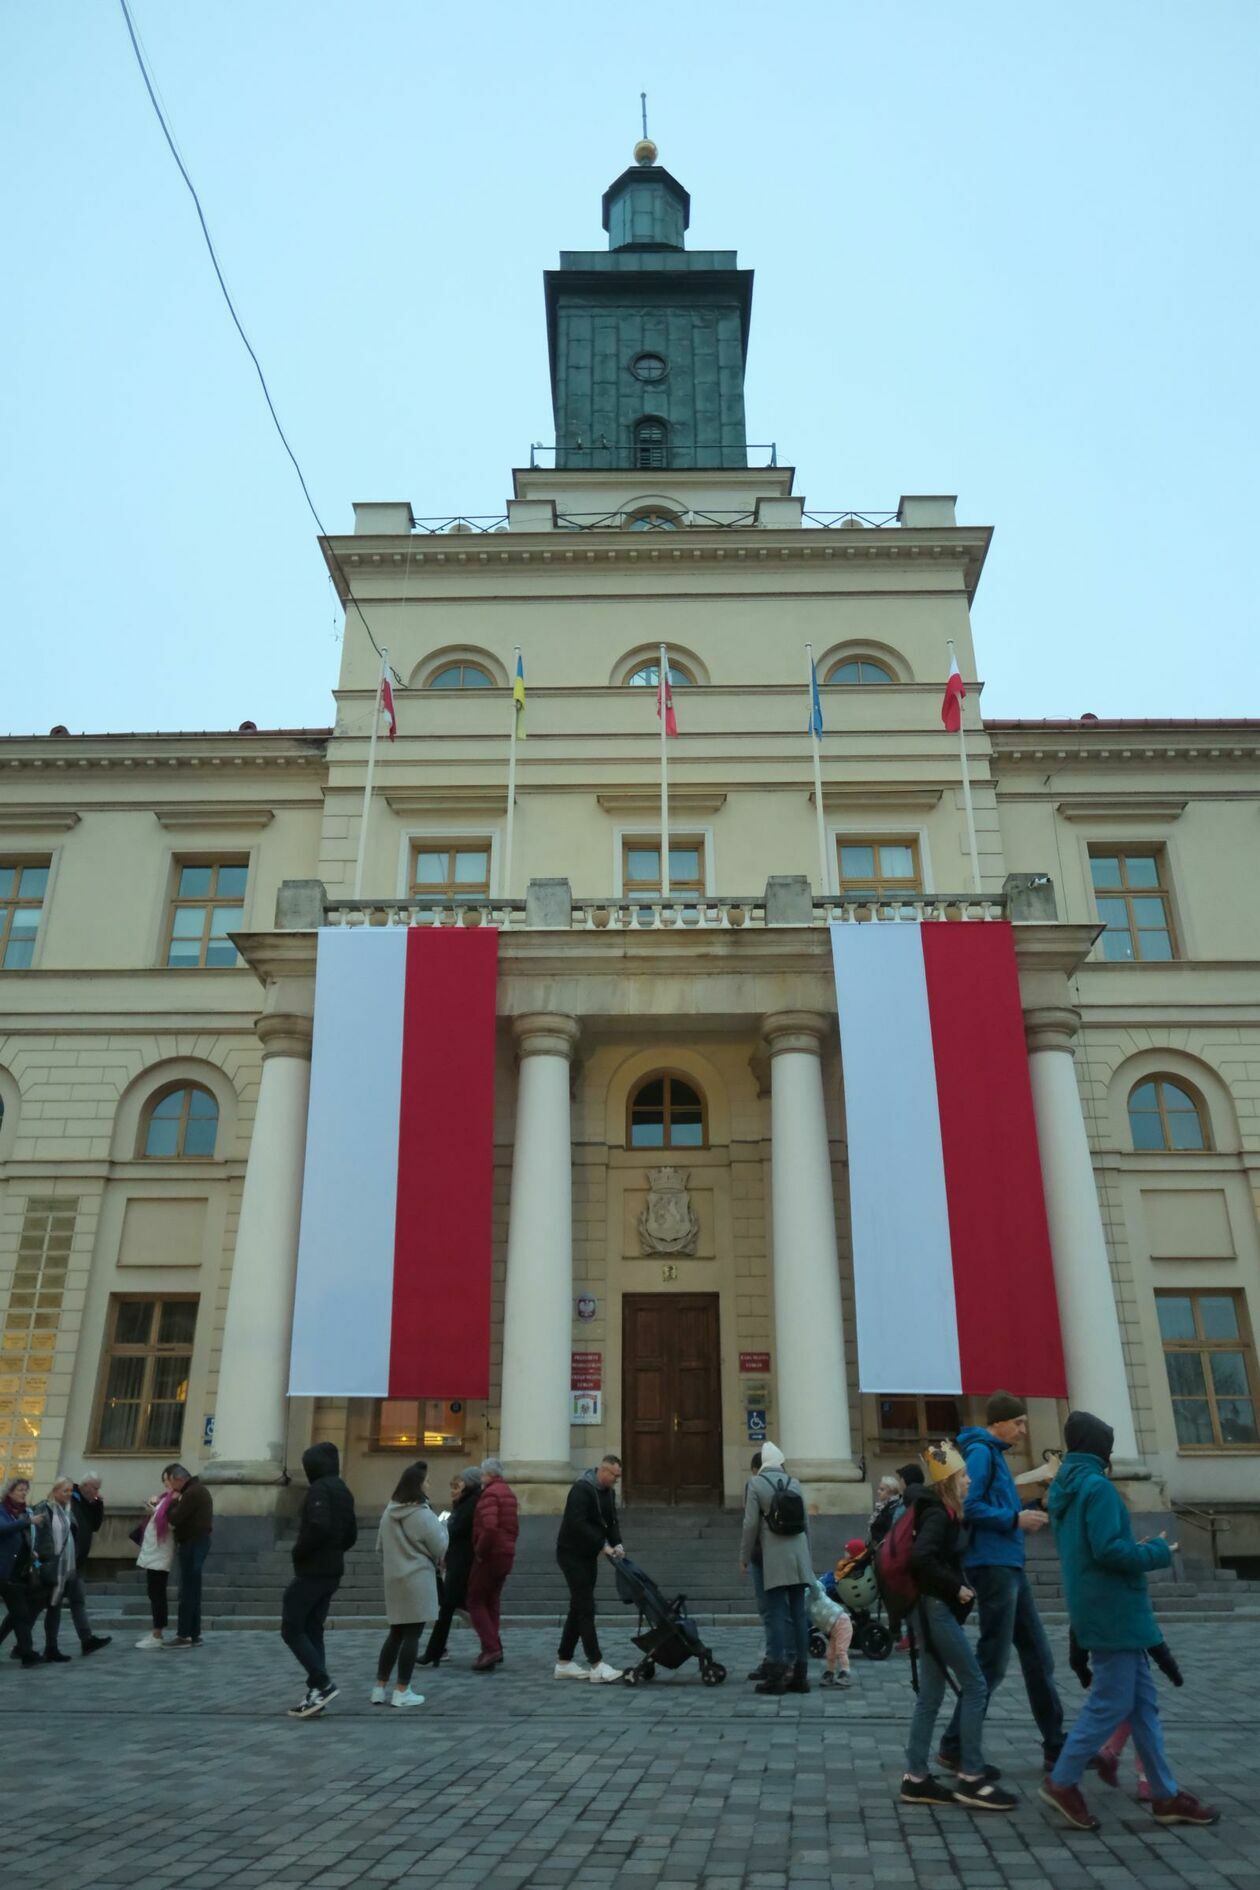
[
  {"x": 485, "y": 1592},
  {"x": 303, "y": 1612},
  {"x": 1009, "y": 1618},
  {"x": 944, "y": 1647},
  {"x": 21, "y": 1614},
  {"x": 1122, "y": 1688},
  {"x": 74, "y": 1595},
  {"x": 156, "y": 1581},
  {"x": 401, "y": 1644},
  {"x": 787, "y": 1625},
  {"x": 580, "y": 1572},
  {"x": 191, "y": 1557},
  {"x": 758, "y": 1573}
]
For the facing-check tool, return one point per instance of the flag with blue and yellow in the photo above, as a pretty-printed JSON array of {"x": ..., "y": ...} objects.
[{"x": 518, "y": 697}]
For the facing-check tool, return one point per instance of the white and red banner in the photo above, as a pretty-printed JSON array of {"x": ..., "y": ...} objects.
[
  {"x": 954, "y": 697},
  {"x": 393, "y": 1277},
  {"x": 952, "y": 1269}
]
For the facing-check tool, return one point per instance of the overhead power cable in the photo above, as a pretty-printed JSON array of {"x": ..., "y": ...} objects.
[{"x": 248, "y": 345}]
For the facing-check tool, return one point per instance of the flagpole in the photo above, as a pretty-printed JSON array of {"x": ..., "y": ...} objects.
[
  {"x": 815, "y": 744},
  {"x": 511, "y": 788},
  {"x": 966, "y": 787},
  {"x": 371, "y": 772},
  {"x": 662, "y": 699}
]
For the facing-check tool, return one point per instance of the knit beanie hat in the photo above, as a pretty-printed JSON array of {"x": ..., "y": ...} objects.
[
  {"x": 1002, "y": 1406},
  {"x": 911, "y": 1473},
  {"x": 771, "y": 1457},
  {"x": 1087, "y": 1433}
]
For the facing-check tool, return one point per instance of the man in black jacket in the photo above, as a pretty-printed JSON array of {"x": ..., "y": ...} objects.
[
  {"x": 326, "y": 1529},
  {"x": 588, "y": 1529}
]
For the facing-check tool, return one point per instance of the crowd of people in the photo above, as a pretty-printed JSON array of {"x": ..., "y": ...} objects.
[{"x": 947, "y": 1538}]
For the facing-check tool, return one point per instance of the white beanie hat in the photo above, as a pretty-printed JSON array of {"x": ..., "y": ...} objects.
[{"x": 771, "y": 1457}]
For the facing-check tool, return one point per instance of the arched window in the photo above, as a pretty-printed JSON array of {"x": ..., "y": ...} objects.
[
  {"x": 461, "y": 676},
  {"x": 651, "y": 442},
  {"x": 652, "y": 518},
  {"x": 179, "y": 1124},
  {"x": 858, "y": 669},
  {"x": 666, "y": 1112},
  {"x": 1164, "y": 1115},
  {"x": 648, "y": 676}
]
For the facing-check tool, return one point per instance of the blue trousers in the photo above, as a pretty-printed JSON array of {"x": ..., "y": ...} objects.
[
  {"x": 191, "y": 1557},
  {"x": 1123, "y": 1688},
  {"x": 759, "y": 1590},
  {"x": 944, "y": 1647},
  {"x": 1009, "y": 1619},
  {"x": 787, "y": 1624}
]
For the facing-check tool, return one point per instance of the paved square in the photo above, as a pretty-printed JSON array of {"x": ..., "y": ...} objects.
[{"x": 156, "y": 1770}]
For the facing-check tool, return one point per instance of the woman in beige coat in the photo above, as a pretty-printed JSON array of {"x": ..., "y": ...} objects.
[{"x": 412, "y": 1542}]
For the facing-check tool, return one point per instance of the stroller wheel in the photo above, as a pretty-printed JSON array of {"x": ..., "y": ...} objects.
[
  {"x": 630, "y": 1678},
  {"x": 817, "y": 1645},
  {"x": 713, "y": 1673},
  {"x": 647, "y": 1670},
  {"x": 877, "y": 1642}
]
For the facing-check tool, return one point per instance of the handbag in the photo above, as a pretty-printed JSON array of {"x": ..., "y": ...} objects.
[{"x": 136, "y": 1535}]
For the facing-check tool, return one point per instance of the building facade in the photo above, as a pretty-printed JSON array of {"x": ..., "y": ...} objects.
[{"x": 672, "y": 1271}]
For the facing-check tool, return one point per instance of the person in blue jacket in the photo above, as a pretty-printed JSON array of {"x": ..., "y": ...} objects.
[
  {"x": 1104, "y": 1580},
  {"x": 994, "y": 1561}
]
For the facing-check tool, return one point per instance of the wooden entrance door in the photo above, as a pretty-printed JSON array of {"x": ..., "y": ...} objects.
[{"x": 671, "y": 1398}]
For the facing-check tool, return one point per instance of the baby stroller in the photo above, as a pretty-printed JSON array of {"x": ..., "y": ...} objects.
[
  {"x": 667, "y": 1635},
  {"x": 855, "y": 1585}
]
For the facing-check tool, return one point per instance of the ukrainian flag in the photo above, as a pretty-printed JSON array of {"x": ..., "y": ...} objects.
[{"x": 518, "y": 697}]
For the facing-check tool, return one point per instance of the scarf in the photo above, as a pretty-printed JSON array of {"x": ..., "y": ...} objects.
[
  {"x": 160, "y": 1519},
  {"x": 16, "y": 1510}
]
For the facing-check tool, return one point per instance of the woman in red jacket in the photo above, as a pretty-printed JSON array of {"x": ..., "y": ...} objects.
[{"x": 495, "y": 1528}]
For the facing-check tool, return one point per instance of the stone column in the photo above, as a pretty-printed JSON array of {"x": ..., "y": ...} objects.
[
  {"x": 811, "y": 1384},
  {"x": 251, "y": 1404},
  {"x": 1094, "y": 1355},
  {"x": 538, "y": 1306}
]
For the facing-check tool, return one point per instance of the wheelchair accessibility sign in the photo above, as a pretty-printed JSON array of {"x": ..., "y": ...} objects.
[{"x": 756, "y": 1425}]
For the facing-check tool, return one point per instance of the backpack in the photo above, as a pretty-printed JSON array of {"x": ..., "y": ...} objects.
[
  {"x": 898, "y": 1585},
  {"x": 786, "y": 1514}
]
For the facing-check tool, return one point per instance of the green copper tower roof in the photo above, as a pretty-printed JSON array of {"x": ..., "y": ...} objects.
[{"x": 648, "y": 339}]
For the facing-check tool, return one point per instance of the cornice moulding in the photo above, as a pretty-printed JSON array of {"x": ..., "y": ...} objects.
[
  {"x": 884, "y": 796},
  {"x": 187, "y": 816},
  {"x": 643, "y": 801},
  {"x": 1121, "y": 807},
  {"x": 32, "y": 819},
  {"x": 409, "y": 803}
]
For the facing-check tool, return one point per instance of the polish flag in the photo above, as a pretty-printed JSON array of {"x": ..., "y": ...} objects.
[
  {"x": 951, "y": 703},
  {"x": 952, "y": 1269},
  {"x": 665, "y": 703},
  {"x": 387, "y": 703},
  {"x": 393, "y": 1277}
]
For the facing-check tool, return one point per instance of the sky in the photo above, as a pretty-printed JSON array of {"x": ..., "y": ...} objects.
[{"x": 1005, "y": 250}]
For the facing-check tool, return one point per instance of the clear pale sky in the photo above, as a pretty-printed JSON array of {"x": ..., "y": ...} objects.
[{"x": 1006, "y": 250}]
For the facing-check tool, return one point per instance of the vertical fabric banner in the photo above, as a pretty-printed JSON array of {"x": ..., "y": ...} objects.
[{"x": 393, "y": 1278}]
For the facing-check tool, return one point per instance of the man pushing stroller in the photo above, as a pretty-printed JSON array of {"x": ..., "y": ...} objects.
[{"x": 588, "y": 1529}]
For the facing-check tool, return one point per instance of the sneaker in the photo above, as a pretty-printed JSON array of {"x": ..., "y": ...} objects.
[
  {"x": 407, "y": 1699},
  {"x": 601, "y": 1671},
  {"x": 181, "y": 1641},
  {"x": 1183, "y": 1809},
  {"x": 1068, "y": 1802},
  {"x": 925, "y": 1791},
  {"x": 759, "y": 1673},
  {"x": 380, "y": 1695},
  {"x": 1145, "y": 1796},
  {"x": 980, "y": 1794},
  {"x": 315, "y": 1702},
  {"x": 827, "y": 1680},
  {"x": 948, "y": 1761},
  {"x": 95, "y": 1642},
  {"x": 570, "y": 1670},
  {"x": 151, "y": 1640},
  {"x": 844, "y": 1679},
  {"x": 1107, "y": 1766},
  {"x": 55, "y": 1659}
]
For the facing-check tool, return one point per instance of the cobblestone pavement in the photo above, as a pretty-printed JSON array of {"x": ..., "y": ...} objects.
[{"x": 156, "y": 1770}]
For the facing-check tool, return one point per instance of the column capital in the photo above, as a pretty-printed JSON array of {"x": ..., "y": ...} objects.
[
  {"x": 284, "y": 1034},
  {"x": 802, "y": 1031},
  {"x": 1051, "y": 1027},
  {"x": 546, "y": 1034}
]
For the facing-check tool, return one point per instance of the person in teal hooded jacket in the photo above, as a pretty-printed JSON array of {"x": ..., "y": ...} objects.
[{"x": 1104, "y": 1581}]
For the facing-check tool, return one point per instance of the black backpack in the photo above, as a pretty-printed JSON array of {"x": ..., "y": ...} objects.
[{"x": 786, "y": 1514}]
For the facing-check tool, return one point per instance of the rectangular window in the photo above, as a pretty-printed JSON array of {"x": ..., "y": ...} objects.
[
  {"x": 209, "y": 903},
  {"x": 641, "y": 869},
  {"x": 144, "y": 1375},
  {"x": 419, "y": 1424},
  {"x": 918, "y": 1421},
  {"x": 450, "y": 869},
  {"x": 23, "y": 884},
  {"x": 1131, "y": 895},
  {"x": 1211, "y": 1366},
  {"x": 879, "y": 866},
  {"x": 28, "y": 1337}
]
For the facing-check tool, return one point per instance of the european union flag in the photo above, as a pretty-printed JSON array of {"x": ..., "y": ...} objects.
[{"x": 815, "y": 724}]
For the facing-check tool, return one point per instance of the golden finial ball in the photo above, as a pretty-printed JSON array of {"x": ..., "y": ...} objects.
[{"x": 645, "y": 152}]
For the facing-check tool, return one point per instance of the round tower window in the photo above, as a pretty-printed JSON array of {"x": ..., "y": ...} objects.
[{"x": 649, "y": 367}]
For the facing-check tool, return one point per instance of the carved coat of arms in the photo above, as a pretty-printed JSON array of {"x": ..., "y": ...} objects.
[{"x": 668, "y": 1224}]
